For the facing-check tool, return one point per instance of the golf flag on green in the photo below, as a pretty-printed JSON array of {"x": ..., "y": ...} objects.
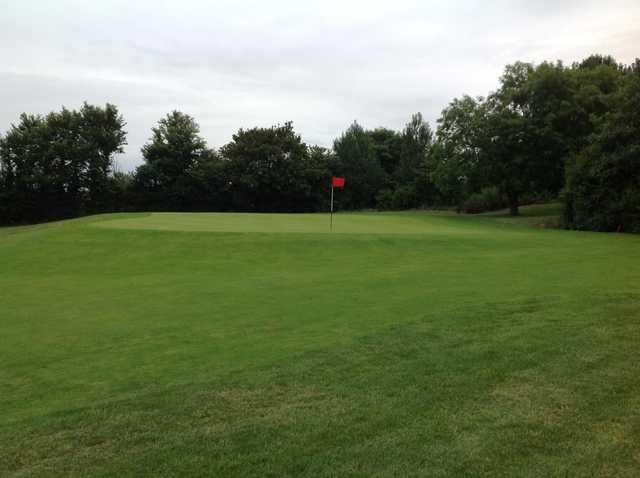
[{"x": 336, "y": 182}]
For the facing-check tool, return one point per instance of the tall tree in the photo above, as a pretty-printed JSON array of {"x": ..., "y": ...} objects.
[
  {"x": 174, "y": 149},
  {"x": 603, "y": 180},
  {"x": 416, "y": 142},
  {"x": 103, "y": 135},
  {"x": 357, "y": 161},
  {"x": 58, "y": 166},
  {"x": 522, "y": 142},
  {"x": 269, "y": 170},
  {"x": 412, "y": 173},
  {"x": 387, "y": 147},
  {"x": 25, "y": 172},
  {"x": 456, "y": 164}
]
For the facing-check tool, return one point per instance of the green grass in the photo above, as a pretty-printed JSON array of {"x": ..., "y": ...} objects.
[{"x": 404, "y": 344}]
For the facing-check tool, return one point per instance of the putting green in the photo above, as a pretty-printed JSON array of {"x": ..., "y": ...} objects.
[{"x": 297, "y": 223}]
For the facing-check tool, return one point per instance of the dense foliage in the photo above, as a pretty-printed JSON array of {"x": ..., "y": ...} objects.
[
  {"x": 548, "y": 131},
  {"x": 60, "y": 165},
  {"x": 603, "y": 180}
]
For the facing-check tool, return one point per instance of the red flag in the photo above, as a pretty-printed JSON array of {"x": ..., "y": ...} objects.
[{"x": 337, "y": 182}]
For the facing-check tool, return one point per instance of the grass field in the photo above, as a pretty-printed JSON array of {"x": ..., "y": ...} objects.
[{"x": 404, "y": 344}]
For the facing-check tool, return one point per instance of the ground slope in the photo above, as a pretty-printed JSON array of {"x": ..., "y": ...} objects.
[{"x": 260, "y": 345}]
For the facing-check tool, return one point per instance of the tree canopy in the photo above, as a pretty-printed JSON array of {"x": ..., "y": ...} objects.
[{"x": 60, "y": 165}]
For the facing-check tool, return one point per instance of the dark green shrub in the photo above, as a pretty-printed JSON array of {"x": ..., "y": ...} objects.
[
  {"x": 603, "y": 191},
  {"x": 404, "y": 197},
  {"x": 488, "y": 199}
]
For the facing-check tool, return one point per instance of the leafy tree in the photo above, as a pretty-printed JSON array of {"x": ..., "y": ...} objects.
[
  {"x": 416, "y": 142},
  {"x": 357, "y": 160},
  {"x": 317, "y": 174},
  {"x": 603, "y": 180},
  {"x": 596, "y": 60},
  {"x": 387, "y": 147},
  {"x": 27, "y": 176},
  {"x": 412, "y": 172},
  {"x": 455, "y": 164},
  {"x": 269, "y": 170},
  {"x": 103, "y": 135},
  {"x": 507, "y": 152},
  {"x": 59, "y": 165},
  {"x": 174, "y": 147},
  {"x": 170, "y": 155},
  {"x": 521, "y": 137},
  {"x": 556, "y": 124},
  {"x": 119, "y": 195},
  {"x": 509, "y": 139},
  {"x": 210, "y": 183},
  {"x": 525, "y": 139}
]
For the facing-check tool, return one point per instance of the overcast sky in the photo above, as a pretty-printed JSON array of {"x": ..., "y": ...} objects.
[{"x": 323, "y": 64}]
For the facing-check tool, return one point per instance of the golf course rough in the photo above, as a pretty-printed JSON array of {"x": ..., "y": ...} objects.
[{"x": 401, "y": 344}]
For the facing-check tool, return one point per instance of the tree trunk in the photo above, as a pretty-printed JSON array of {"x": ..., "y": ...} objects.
[{"x": 513, "y": 204}]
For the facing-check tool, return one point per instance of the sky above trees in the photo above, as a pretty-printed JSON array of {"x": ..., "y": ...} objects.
[{"x": 319, "y": 64}]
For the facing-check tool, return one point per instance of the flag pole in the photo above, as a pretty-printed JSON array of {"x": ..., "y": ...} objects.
[{"x": 331, "y": 216}]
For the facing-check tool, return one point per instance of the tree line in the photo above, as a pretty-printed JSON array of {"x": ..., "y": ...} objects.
[{"x": 549, "y": 131}]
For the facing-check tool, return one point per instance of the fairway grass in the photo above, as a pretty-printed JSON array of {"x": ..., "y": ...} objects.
[{"x": 403, "y": 344}]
